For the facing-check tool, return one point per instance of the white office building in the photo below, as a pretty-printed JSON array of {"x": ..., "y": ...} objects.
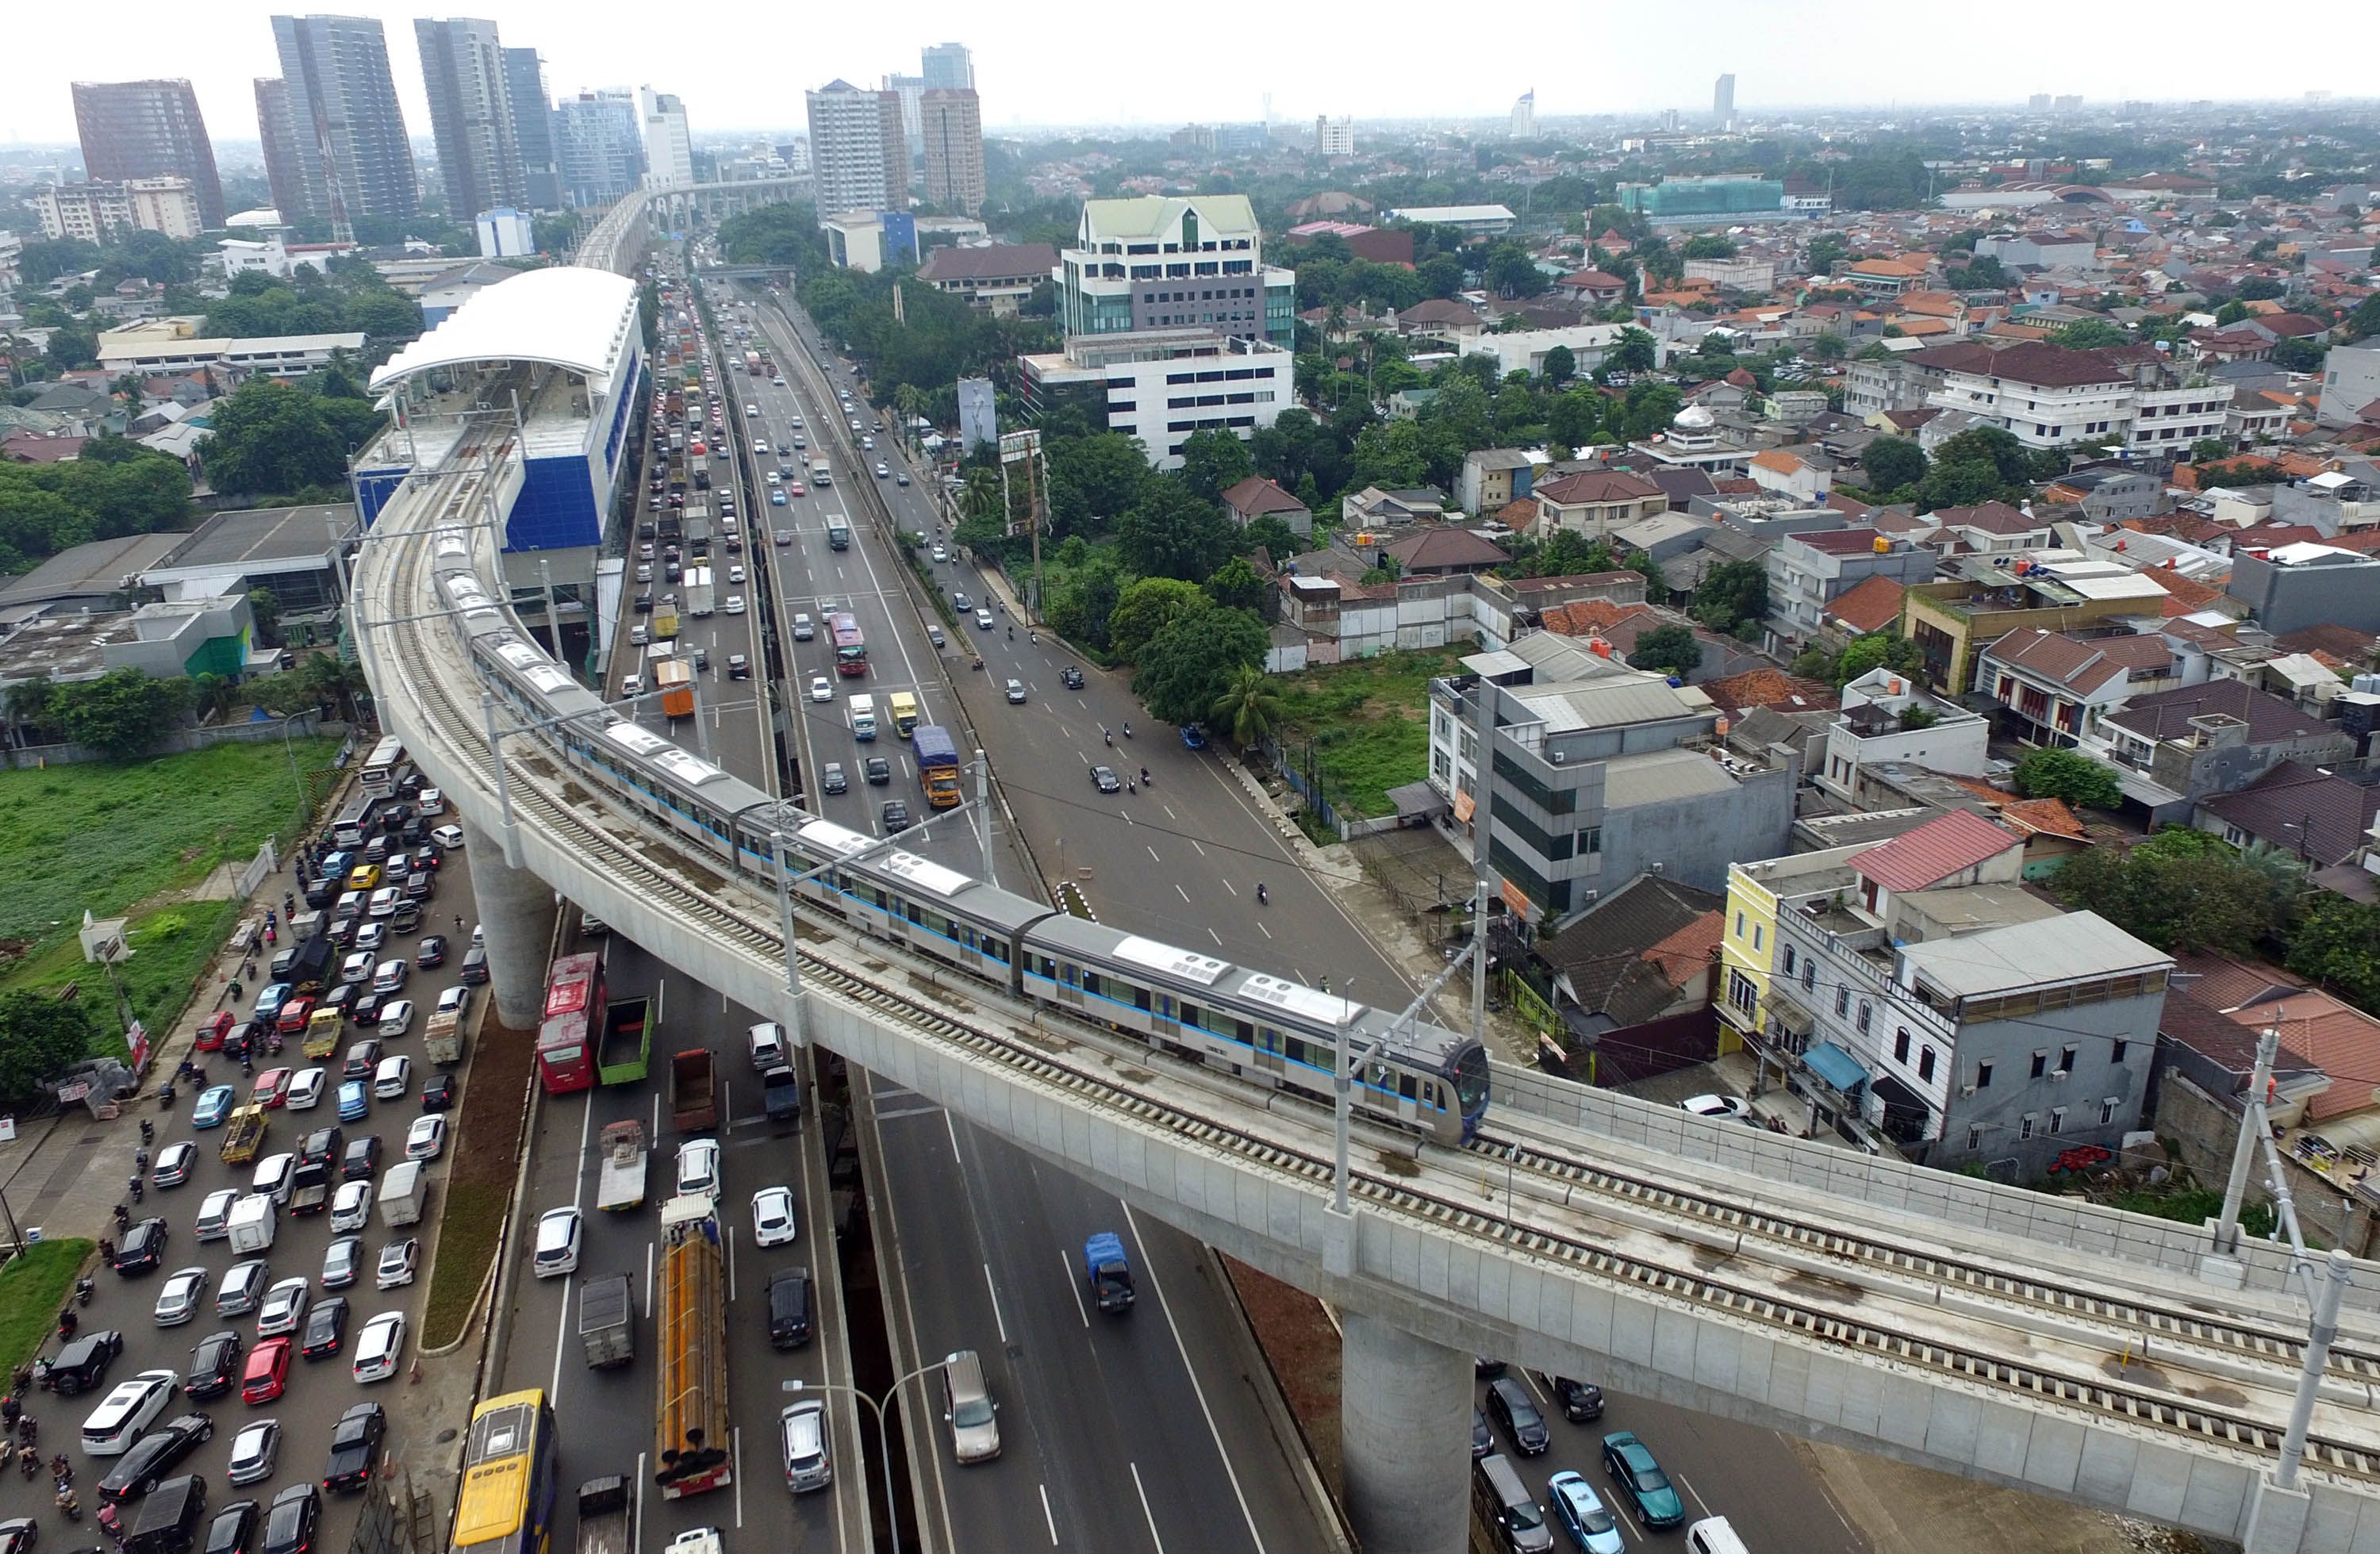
[{"x": 669, "y": 142}]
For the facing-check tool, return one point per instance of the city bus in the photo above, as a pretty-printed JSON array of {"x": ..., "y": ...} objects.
[
  {"x": 573, "y": 999},
  {"x": 850, "y": 648},
  {"x": 904, "y": 712},
  {"x": 350, "y": 828},
  {"x": 509, "y": 1487},
  {"x": 381, "y": 768}
]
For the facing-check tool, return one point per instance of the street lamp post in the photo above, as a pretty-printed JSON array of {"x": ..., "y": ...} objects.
[{"x": 883, "y": 1431}]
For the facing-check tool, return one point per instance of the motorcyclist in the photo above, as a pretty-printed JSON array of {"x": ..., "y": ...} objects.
[{"x": 1261, "y": 897}]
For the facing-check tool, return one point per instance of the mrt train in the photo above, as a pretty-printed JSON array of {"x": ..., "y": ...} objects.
[{"x": 1268, "y": 1030}]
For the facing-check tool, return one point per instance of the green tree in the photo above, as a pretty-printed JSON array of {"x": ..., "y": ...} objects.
[
  {"x": 1440, "y": 275},
  {"x": 266, "y": 610},
  {"x": 1573, "y": 417},
  {"x": 41, "y": 1037},
  {"x": 1828, "y": 346},
  {"x": 2229, "y": 314},
  {"x": 1633, "y": 352},
  {"x": 1389, "y": 455},
  {"x": 2300, "y": 356},
  {"x": 2090, "y": 334},
  {"x": 1249, "y": 709},
  {"x": 1670, "y": 648},
  {"x": 1649, "y": 408},
  {"x": 1173, "y": 532},
  {"x": 1892, "y": 463},
  {"x": 1862, "y": 655},
  {"x": 1213, "y": 461},
  {"x": 123, "y": 713},
  {"x": 272, "y": 438},
  {"x": 2177, "y": 899},
  {"x": 1187, "y": 667},
  {"x": 1561, "y": 366},
  {"x": 1235, "y": 586},
  {"x": 1707, "y": 245},
  {"x": 2258, "y": 289},
  {"x": 2338, "y": 942},
  {"x": 1733, "y": 597},
  {"x": 1981, "y": 275},
  {"x": 1512, "y": 273},
  {"x": 2067, "y": 774},
  {"x": 1094, "y": 480},
  {"x": 1082, "y": 605},
  {"x": 1147, "y": 607}
]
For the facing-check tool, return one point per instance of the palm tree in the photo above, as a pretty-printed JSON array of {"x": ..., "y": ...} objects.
[
  {"x": 29, "y": 703},
  {"x": 981, "y": 496},
  {"x": 1249, "y": 707}
]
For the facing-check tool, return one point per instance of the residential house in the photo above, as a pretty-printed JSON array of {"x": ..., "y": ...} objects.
[
  {"x": 993, "y": 277},
  {"x": 2108, "y": 495},
  {"x": 1888, "y": 277},
  {"x": 2328, "y": 1033},
  {"x": 1991, "y": 527},
  {"x": 1457, "y": 323},
  {"x": 1647, "y": 951},
  {"x": 1599, "y": 774},
  {"x": 2053, "y": 688},
  {"x": 1441, "y": 551},
  {"x": 1257, "y": 497},
  {"x": 2336, "y": 503},
  {"x": 2305, "y": 584},
  {"x": 2323, "y": 814},
  {"x": 1374, "y": 508},
  {"x": 1798, "y": 472},
  {"x": 1591, "y": 286},
  {"x": 1595, "y": 503},
  {"x": 1491, "y": 478},
  {"x": 1809, "y": 570},
  {"x": 1915, "y": 997},
  {"x": 1872, "y": 604},
  {"x": 2351, "y": 381},
  {"x": 2172, "y": 750},
  {"x": 1889, "y": 719},
  {"x": 1984, "y": 597}
]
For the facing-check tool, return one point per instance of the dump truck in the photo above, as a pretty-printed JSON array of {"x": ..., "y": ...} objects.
[
  {"x": 693, "y": 1092},
  {"x": 607, "y": 1515},
  {"x": 626, "y": 1046},
  {"x": 243, "y": 1135},
  {"x": 442, "y": 1043},
  {"x": 606, "y": 1321},
  {"x": 1108, "y": 1272},
  {"x": 620, "y": 1184},
  {"x": 938, "y": 765},
  {"x": 691, "y": 1443}
]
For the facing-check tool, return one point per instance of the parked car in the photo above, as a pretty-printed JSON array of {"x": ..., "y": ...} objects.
[
  {"x": 355, "y": 1447},
  {"x": 254, "y": 1451}
]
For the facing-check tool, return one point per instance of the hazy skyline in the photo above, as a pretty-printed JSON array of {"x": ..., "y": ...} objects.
[{"x": 1783, "y": 54}]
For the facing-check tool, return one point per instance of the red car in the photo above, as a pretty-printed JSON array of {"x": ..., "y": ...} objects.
[
  {"x": 212, "y": 1032},
  {"x": 266, "y": 1373},
  {"x": 272, "y": 1087},
  {"x": 293, "y": 1015}
]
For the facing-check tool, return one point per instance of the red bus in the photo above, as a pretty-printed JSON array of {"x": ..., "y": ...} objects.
[
  {"x": 850, "y": 648},
  {"x": 565, "y": 1056}
]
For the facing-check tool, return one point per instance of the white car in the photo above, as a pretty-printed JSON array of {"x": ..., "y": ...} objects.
[
  {"x": 395, "y": 1019},
  {"x": 773, "y": 1216},
  {"x": 398, "y": 1260},
  {"x": 306, "y": 1087},
  {"x": 456, "y": 999},
  {"x": 557, "y": 1243},
  {"x": 983, "y": 620},
  {"x": 697, "y": 1168},
  {"x": 351, "y": 1206},
  {"x": 372, "y": 935},
  {"x": 393, "y": 1078},
  {"x": 178, "y": 1301},
  {"x": 117, "y": 1422},
  {"x": 427, "y": 1138},
  {"x": 735, "y": 572},
  {"x": 735, "y": 605},
  {"x": 430, "y": 804},
  {"x": 1718, "y": 1108},
  {"x": 272, "y": 1177},
  {"x": 284, "y": 1309},
  {"x": 243, "y": 1286},
  {"x": 384, "y": 900},
  {"x": 821, "y": 688},
  {"x": 941, "y": 553},
  {"x": 448, "y": 837},
  {"x": 357, "y": 967},
  {"x": 254, "y": 1451},
  {"x": 378, "y": 1346}
]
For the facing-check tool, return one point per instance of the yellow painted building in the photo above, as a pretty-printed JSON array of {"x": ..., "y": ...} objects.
[{"x": 1747, "y": 948}]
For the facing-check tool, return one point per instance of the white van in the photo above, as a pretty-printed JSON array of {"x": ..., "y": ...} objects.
[
  {"x": 118, "y": 1421},
  {"x": 766, "y": 1042},
  {"x": 863, "y": 716},
  {"x": 1713, "y": 1536}
]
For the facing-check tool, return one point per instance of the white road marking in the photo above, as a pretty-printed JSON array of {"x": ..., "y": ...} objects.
[
  {"x": 953, "y": 1128},
  {"x": 1167, "y": 1306},
  {"x": 729, "y": 1239},
  {"x": 1047, "y": 1517},
  {"x": 1215, "y": 937},
  {"x": 1154, "y": 1535},
  {"x": 1067, "y": 1260},
  {"x": 1180, "y": 891},
  {"x": 649, "y": 1281},
  {"x": 737, "y": 1436},
  {"x": 998, "y": 1321},
  {"x": 640, "y": 1501},
  {"x": 1689, "y": 1489},
  {"x": 1266, "y": 931}
]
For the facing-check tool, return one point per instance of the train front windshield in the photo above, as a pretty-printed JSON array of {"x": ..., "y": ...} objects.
[{"x": 1470, "y": 1076}]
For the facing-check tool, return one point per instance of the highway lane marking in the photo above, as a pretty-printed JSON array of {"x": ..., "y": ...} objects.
[
  {"x": 577, "y": 1193},
  {"x": 1197, "y": 1389},
  {"x": 1692, "y": 1490},
  {"x": 953, "y": 1129},
  {"x": 1179, "y": 891},
  {"x": 1067, "y": 1260},
  {"x": 1154, "y": 1535},
  {"x": 737, "y": 1436},
  {"x": 1154, "y": 859},
  {"x": 640, "y": 1501},
  {"x": 1049, "y": 1518},
  {"x": 1202, "y": 852},
  {"x": 649, "y": 1281},
  {"x": 998, "y": 1321},
  {"x": 729, "y": 1239}
]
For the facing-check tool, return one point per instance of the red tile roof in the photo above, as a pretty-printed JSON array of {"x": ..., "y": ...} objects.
[
  {"x": 1870, "y": 605},
  {"x": 1920, "y": 859},
  {"x": 1590, "y": 617},
  {"x": 2340, "y": 1039},
  {"x": 1736, "y": 694},
  {"x": 1256, "y": 496},
  {"x": 1690, "y": 950},
  {"x": 1598, "y": 486}
]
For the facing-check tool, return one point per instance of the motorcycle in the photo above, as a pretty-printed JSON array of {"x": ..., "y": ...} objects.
[
  {"x": 69, "y": 1506},
  {"x": 1261, "y": 896},
  {"x": 29, "y": 1462},
  {"x": 148, "y": 1131},
  {"x": 83, "y": 1288},
  {"x": 68, "y": 1323},
  {"x": 165, "y": 1098},
  {"x": 139, "y": 1188}
]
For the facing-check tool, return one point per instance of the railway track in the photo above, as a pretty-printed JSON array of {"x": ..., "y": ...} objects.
[{"x": 423, "y": 666}]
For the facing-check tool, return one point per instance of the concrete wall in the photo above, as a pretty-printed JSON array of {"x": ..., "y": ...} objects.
[
  {"x": 2203, "y": 1130},
  {"x": 2288, "y": 599},
  {"x": 1694, "y": 840}
]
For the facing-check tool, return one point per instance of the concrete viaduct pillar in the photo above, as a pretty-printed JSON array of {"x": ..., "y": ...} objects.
[
  {"x": 1404, "y": 1431},
  {"x": 517, "y": 912}
]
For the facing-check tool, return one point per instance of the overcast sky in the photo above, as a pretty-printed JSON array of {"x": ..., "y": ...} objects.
[{"x": 744, "y": 65}]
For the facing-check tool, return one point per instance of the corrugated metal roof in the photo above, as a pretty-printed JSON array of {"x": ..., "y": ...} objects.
[
  {"x": 1662, "y": 777},
  {"x": 2066, "y": 948},
  {"x": 569, "y": 317},
  {"x": 1934, "y": 852}
]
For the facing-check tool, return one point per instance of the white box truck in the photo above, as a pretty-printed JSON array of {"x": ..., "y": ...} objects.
[
  {"x": 255, "y": 1220},
  {"x": 401, "y": 1195}
]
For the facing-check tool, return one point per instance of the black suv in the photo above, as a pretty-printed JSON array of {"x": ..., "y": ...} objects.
[
  {"x": 1070, "y": 677},
  {"x": 1509, "y": 1405},
  {"x": 142, "y": 1247},
  {"x": 361, "y": 1159},
  {"x": 355, "y": 1446},
  {"x": 147, "y": 1464},
  {"x": 290, "y": 1525},
  {"x": 82, "y": 1364},
  {"x": 1581, "y": 1401},
  {"x": 877, "y": 770},
  {"x": 215, "y": 1366},
  {"x": 895, "y": 816},
  {"x": 789, "y": 1308}
]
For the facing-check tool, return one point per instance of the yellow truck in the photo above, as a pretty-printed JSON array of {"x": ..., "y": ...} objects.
[
  {"x": 324, "y": 1028},
  {"x": 243, "y": 1135},
  {"x": 903, "y": 705}
]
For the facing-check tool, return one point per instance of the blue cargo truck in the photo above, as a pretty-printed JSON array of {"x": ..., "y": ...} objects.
[{"x": 1107, "y": 1271}]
